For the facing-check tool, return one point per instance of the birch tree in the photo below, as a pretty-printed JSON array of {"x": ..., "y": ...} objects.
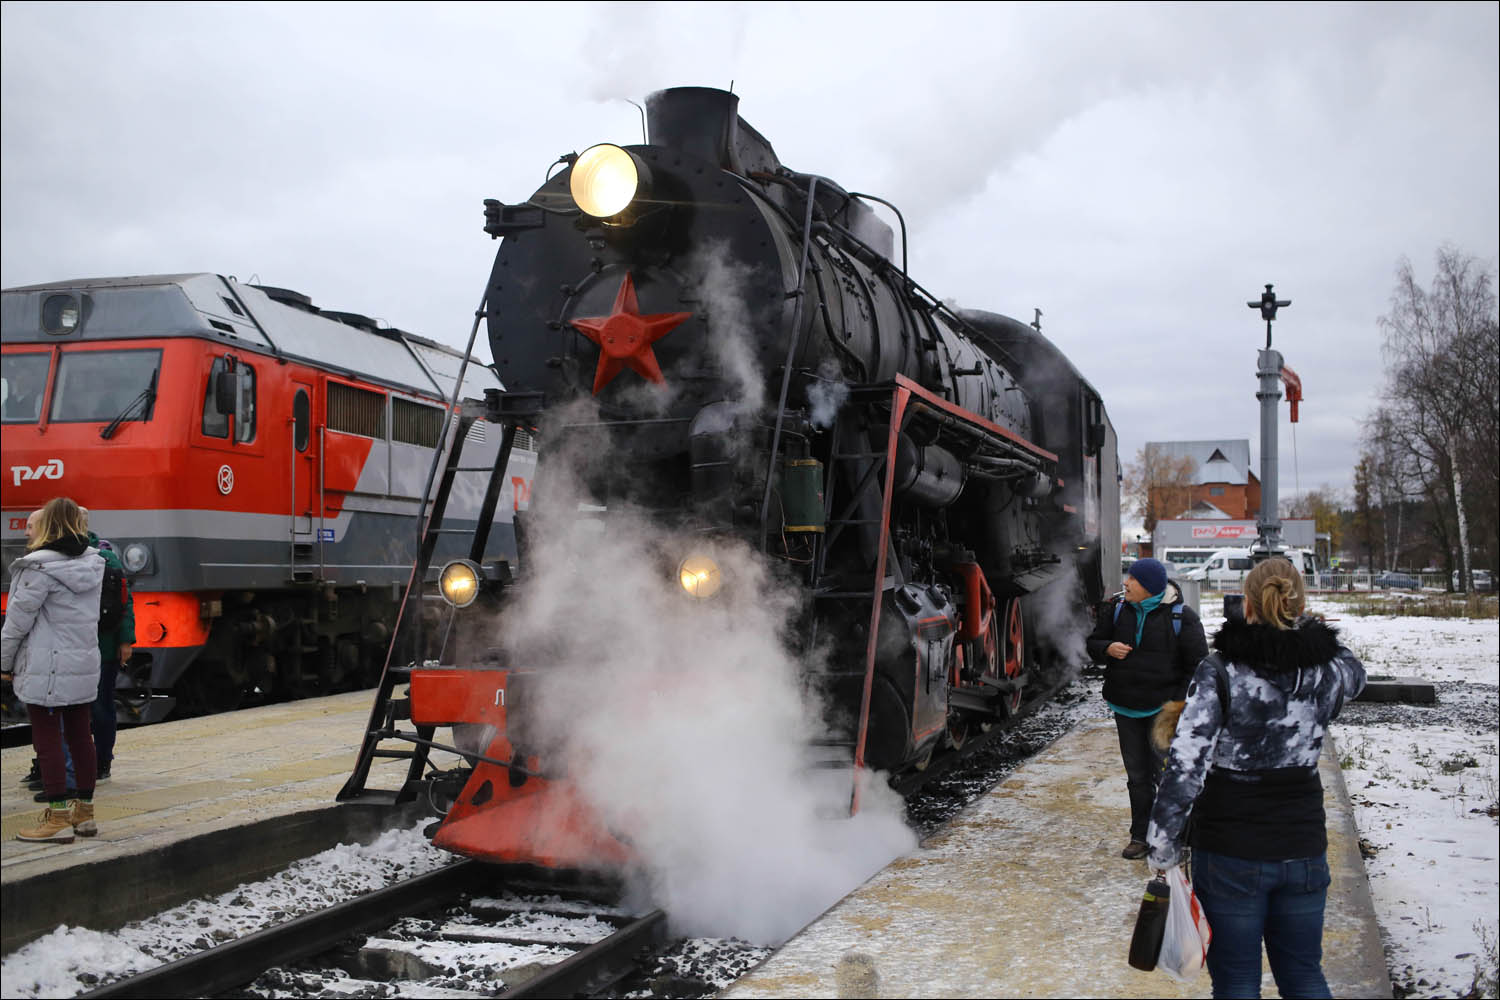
[{"x": 1436, "y": 370}]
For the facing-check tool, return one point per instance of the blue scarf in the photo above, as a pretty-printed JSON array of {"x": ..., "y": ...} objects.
[{"x": 1142, "y": 610}]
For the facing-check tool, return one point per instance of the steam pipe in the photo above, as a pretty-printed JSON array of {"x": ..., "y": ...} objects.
[{"x": 791, "y": 352}]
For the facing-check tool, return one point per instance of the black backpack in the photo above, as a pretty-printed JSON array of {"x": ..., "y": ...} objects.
[{"x": 112, "y": 598}]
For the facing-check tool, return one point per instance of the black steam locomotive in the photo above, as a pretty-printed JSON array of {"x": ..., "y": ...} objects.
[{"x": 756, "y": 363}]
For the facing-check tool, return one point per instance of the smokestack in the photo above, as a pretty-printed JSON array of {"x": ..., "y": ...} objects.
[{"x": 701, "y": 121}]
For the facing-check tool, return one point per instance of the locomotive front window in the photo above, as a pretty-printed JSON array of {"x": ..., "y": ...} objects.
[
  {"x": 23, "y": 382},
  {"x": 101, "y": 385},
  {"x": 216, "y": 421}
]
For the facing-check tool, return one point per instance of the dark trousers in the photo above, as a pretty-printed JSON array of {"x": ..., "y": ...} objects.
[
  {"x": 49, "y": 727},
  {"x": 104, "y": 715},
  {"x": 1142, "y": 770}
]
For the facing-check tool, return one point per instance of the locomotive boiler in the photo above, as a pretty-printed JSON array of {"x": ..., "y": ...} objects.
[{"x": 741, "y": 348}]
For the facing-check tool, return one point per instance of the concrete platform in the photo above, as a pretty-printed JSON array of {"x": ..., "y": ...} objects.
[
  {"x": 194, "y": 808},
  {"x": 1024, "y": 894}
]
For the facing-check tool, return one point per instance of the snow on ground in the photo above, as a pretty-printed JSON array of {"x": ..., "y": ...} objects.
[
  {"x": 72, "y": 960},
  {"x": 1423, "y": 780}
]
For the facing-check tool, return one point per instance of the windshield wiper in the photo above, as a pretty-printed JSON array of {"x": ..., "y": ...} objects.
[{"x": 147, "y": 396}]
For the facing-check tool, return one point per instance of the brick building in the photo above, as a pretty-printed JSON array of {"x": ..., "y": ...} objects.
[{"x": 1224, "y": 486}]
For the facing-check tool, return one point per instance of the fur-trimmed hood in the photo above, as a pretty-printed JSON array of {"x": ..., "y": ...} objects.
[{"x": 1270, "y": 650}]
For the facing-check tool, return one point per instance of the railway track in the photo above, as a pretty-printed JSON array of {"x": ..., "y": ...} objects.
[
  {"x": 473, "y": 929},
  {"x": 568, "y": 942}
]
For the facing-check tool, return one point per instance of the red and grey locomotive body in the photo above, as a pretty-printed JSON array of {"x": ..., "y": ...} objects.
[
  {"x": 258, "y": 463},
  {"x": 758, "y": 365}
]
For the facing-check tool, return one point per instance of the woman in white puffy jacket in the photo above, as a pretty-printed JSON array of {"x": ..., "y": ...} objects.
[{"x": 50, "y": 646}]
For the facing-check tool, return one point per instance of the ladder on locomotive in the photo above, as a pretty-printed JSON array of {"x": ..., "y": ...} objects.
[
  {"x": 860, "y": 467},
  {"x": 389, "y": 710}
]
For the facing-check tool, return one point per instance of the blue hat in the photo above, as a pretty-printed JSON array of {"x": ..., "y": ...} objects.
[{"x": 1149, "y": 574}]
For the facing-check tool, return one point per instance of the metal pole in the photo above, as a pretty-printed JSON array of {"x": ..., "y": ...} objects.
[{"x": 1268, "y": 523}]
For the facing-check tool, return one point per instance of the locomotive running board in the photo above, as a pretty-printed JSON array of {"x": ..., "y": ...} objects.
[{"x": 907, "y": 400}]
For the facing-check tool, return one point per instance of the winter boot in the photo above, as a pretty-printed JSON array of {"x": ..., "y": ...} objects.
[
  {"x": 82, "y": 817},
  {"x": 33, "y": 779},
  {"x": 55, "y": 828}
]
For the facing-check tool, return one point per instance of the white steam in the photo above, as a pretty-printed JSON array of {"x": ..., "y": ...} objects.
[
  {"x": 685, "y": 725},
  {"x": 1062, "y": 616},
  {"x": 826, "y": 395},
  {"x": 732, "y": 341}
]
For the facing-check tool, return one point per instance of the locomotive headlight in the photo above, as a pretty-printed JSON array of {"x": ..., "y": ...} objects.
[
  {"x": 700, "y": 576},
  {"x": 136, "y": 557},
  {"x": 459, "y": 583},
  {"x": 605, "y": 180}
]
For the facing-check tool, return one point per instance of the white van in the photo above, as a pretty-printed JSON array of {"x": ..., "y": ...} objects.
[
  {"x": 1222, "y": 569},
  {"x": 1180, "y": 560},
  {"x": 1225, "y": 569}
]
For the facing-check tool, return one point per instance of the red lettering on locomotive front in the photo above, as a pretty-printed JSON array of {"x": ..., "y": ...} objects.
[{"x": 520, "y": 491}]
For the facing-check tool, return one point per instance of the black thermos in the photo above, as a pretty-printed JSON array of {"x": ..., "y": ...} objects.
[{"x": 1150, "y": 926}]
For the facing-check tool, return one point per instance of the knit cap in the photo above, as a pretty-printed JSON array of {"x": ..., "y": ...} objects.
[{"x": 1149, "y": 574}]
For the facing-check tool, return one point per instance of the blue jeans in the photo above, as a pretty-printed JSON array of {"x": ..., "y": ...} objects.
[{"x": 1280, "y": 901}]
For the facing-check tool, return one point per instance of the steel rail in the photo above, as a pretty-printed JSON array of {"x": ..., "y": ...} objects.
[
  {"x": 596, "y": 967},
  {"x": 238, "y": 962}
]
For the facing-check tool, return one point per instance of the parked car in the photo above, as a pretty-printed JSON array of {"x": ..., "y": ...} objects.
[
  {"x": 1390, "y": 580},
  {"x": 1484, "y": 581}
]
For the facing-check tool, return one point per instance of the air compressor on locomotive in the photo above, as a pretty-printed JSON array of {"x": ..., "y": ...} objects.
[{"x": 761, "y": 367}]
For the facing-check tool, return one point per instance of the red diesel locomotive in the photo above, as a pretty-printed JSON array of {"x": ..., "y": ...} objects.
[{"x": 258, "y": 463}]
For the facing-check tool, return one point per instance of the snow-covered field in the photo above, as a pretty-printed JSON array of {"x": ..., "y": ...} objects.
[{"x": 1423, "y": 780}]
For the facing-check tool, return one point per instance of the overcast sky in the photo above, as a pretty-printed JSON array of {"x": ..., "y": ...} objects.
[{"x": 1138, "y": 173}]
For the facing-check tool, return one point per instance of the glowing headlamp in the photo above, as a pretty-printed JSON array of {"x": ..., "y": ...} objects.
[
  {"x": 605, "y": 180},
  {"x": 459, "y": 583},
  {"x": 700, "y": 576}
]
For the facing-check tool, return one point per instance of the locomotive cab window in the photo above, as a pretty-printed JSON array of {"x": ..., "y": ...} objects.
[
  {"x": 301, "y": 420},
  {"x": 100, "y": 386},
  {"x": 238, "y": 402},
  {"x": 23, "y": 383}
]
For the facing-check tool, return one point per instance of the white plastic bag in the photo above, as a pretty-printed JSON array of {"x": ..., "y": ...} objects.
[{"x": 1184, "y": 946}]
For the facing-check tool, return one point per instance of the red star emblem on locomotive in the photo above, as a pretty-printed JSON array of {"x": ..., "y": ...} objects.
[{"x": 625, "y": 337}]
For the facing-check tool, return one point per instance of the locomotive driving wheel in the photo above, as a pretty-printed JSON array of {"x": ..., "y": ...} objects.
[{"x": 1015, "y": 651}]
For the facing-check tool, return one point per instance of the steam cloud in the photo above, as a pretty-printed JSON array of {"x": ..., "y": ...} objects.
[
  {"x": 685, "y": 726},
  {"x": 826, "y": 395}
]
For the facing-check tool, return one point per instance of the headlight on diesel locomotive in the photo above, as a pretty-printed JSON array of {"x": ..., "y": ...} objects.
[
  {"x": 700, "y": 576},
  {"x": 459, "y": 583},
  {"x": 606, "y": 180},
  {"x": 136, "y": 557}
]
